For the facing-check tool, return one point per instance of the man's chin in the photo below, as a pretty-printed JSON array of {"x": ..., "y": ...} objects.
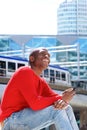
[{"x": 45, "y": 67}]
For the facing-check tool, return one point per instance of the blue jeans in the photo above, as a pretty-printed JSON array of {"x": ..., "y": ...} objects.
[{"x": 28, "y": 119}]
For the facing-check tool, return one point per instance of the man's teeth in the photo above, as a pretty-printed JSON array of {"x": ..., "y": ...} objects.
[{"x": 45, "y": 60}]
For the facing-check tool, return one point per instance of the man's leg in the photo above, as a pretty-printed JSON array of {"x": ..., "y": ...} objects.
[
  {"x": 28, "y": 119},
  {"x": 71, "y": 117},
  {"x": 65, "y": 120}
]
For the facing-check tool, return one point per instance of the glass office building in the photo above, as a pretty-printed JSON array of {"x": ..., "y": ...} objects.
[
  {"x": 8, "y": 45},
  {"x": 72, "y": 17},
  {"x": 74, "y": 58},
  {"x": 11, "y": 48}
]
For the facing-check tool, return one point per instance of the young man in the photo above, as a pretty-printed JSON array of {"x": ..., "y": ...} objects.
[{"x": 29, "y": 103}]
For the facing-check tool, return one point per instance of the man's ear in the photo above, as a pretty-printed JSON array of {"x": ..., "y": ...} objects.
[{"x": 32, "y": 58}]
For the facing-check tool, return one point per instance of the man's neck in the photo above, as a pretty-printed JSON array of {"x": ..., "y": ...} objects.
[{"x": 37, "y": 71}]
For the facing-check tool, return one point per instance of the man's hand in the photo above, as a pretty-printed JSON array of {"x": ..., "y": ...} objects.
[
  {"x": 60, "y": 104},
  {"x": 68, "y": 94}
]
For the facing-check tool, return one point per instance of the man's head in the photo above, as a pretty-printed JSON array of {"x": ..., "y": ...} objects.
[{"x": 39, "y": 58}]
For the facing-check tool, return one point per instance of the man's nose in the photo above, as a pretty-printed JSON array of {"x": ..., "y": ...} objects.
[{"x": 46, "y": 56}]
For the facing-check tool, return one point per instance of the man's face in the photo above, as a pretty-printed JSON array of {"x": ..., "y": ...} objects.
[{"x": 42, "y": 59}]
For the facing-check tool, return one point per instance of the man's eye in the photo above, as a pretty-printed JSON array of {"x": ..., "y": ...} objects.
[{"x": 43, "y": 54}]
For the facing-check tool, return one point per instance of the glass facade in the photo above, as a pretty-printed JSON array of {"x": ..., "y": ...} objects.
[
  {"x": 72, "y": 58},
  {"x": 9, "y": 47},
  {"x": 43, "y": 42},
  {"x": 70, "y": 17}
]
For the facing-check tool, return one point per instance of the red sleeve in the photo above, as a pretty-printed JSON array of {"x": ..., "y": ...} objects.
[
  {"x": 28, "y": 90},
  {"x": 47, "y": 91}
]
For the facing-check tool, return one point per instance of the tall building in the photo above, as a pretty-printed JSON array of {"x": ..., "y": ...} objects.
[{"x": 72, "y": 17}]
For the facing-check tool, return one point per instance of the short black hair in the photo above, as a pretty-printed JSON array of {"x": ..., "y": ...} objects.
[{"x": 35, "y": 52}]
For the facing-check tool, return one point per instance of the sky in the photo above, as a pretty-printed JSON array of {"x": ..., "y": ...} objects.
[{"x": 29, "y": 16}]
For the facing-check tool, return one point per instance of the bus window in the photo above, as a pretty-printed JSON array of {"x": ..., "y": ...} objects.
[
  {"x": 58, "y": 75},
  {"x": 52, "y": 76},
  {"x": 20, "y": 64},
  {"x": 63, "y": 76},
  {"x": 11, "y": 67},
  {"x": 2, "y": 68},
  {"x": 46, "y": 73}
]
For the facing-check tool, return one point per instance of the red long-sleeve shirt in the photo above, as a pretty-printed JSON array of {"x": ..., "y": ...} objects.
[{"x": 26, "y": 90}]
